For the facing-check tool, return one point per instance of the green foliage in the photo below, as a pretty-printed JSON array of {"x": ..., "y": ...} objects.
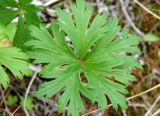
[
  {"x": 11, "y": 58},
  {"x": 7, "y": 32},
  {"x": 27, "y": 15},
  {"x": 7, "y": 15},
  {"x": 29, "y": 103},
  {"x": 16, "y": 61},
  {"x": 30, "y": 12},
  {"x": 9, "y": 9},
  {"x": 12, "y": 100},
  {"x": 22, "y": 35},
  {"x": 96, "y": 67}
]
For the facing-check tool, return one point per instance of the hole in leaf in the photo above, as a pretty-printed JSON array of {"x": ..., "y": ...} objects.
[{"x": 83, "y": 78}]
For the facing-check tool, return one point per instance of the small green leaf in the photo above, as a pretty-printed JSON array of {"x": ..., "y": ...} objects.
[
  {"x": 29, "y": 103},
  {"x": 151, "y": 38},
  {"x": 12, "y": 100}
]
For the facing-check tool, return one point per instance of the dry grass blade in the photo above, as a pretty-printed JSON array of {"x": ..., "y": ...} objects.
[
  {"x": 15, "y": 110},
  {"x": 146, "y": 9},
  {"x": 4, "y": 101}
]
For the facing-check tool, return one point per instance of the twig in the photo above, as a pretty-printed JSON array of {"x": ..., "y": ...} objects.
[
  {"x": 146, "y": 9},
  {"x": 129, "y": 19},
  {"x": 150, "y": 109},
  {"x": 4, "y": 101},
  {"x": 137, "y": 95},
  {"x": 137, "y": 105},
  {"x": 29, "y": 87},
  {"x": 5, "y": 96},
  {"x": 50, "y": 2},
  {"x": 129, "y": 98},
  {"x": 15, "y": 110},
  {"x": 124, "y": 113}
]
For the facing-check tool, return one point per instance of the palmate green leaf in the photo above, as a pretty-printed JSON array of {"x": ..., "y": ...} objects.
[
  {"x": 98, "y": 57},
  {"x": 15, "y": 61}
]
